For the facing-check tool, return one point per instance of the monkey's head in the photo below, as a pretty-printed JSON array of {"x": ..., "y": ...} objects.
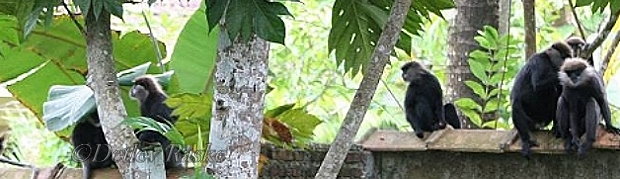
[
  {"x": 558, "y": 52},
  {"x": 574, "y": 72},
  {"x": 143, "y": 87},
  {"x": 577, "y": 44},
  {"x": 413, "y": 71}
]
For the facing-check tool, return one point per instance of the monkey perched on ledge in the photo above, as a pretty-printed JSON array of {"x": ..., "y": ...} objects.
[
  {"x": 583, "y": 99},
  {"x": 535, "y": 93},
  {"x": 424, "y": 101}
]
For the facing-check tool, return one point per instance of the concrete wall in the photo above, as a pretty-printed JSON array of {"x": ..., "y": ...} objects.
[{"x": 598, "y": 164}]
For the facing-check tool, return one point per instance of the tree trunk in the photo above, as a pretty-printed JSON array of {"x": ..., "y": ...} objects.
[
  {"x": 102, "y": 79},
  {"x": 472, "y": 15},
  {"x": 240, "y": 79},
  {"x": 338, "y": 150},
  {"x": 504, "y": 16},
  {"x": 530, "y": 27}
]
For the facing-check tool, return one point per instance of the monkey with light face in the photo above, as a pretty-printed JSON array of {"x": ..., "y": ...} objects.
[
  {"x": 424, "y": 107},
  {"x": 578, "y": 45},
  {"x": 582, "y": 101},
  {"x": 151, "y": 98}
]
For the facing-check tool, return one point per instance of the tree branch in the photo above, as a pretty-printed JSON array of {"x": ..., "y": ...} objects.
[
  {"x": 77, "y": 24},
  {"x": 572, "y": 9},
  {"x": 602, "y": 35},
  {"x": 610, "y": 52},
  {"x": 338, "y": 150},
  {"x": 530, "y": 28}
]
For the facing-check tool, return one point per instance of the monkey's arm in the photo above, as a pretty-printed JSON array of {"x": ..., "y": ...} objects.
[{"x": 601, "y": 100}]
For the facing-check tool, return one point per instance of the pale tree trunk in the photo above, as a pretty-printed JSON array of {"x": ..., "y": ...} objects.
[
  {"x": 240, "y": 79},
  {"x": 338, "y": 150},
  {"x": 472, "y": 15},
  {"x": 504, "y": 16},
  {"x": 530, "y": 27},
  {"x": 102, "y": 79}
]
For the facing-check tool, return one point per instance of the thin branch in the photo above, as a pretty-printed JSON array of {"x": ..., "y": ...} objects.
[
  {"x": 602, "y": 35},
  {"x": 344, "y": 139},
  {"x": 392, "y": 94},
  {"x": 77, "y": 24},
  {"x": 155, "y": 46},
  {"x": 610, "y": 52},
  {"x": 572, "y": 9},
  {"x": 501, "y": 82}
]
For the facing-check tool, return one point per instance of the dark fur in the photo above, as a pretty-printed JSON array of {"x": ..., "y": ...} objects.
[
  {"x": 578, "y": 45},
  {"x": 451, "y": 116},
  {"x": 423, "y": 101},
  {"x": 90, "y": 145},
  {"x": 536, "y": 91},
  {"x": 583, "y": 99},
  {"x": 149, "y": 94}
]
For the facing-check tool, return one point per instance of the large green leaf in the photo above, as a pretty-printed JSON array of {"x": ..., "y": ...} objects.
[
  {"x": 357, "y": 25},
  {"x": 193, "y": 59},
  {"x": 302, "y": 123},
  {"x": 188, "y": 105},
  {"x": 32, "y": 91},
  {"x": 66, "y": 105},
  {"x": 194, "y": 111},
  {"x": 247, "y": 17},
  {"x": 28, "y": 12},
  {"x": 59, "y": 51}
]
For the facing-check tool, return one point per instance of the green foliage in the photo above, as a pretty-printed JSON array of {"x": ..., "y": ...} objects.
[
  {"x": 60, "y": 51},
  {"x": 247, "y": 17},
  {"x": 296, "y": 121},
  {"x": 194, "y": 55},
  {"x": 599, "y": 5},
  {"x": 357, "y": 26},
  {"x": 495, "y": 65},
  {"x": 148, "y": 124},
  {"x": 194, "y": 111}
]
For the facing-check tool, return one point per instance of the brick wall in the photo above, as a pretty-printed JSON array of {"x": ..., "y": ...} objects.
[{"x": 297, "y": 163}]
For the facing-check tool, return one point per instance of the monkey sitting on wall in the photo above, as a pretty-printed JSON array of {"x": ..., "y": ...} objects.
[
  {"x": 424, "y": 101},
  {"x": 535, "y": 93},
  {"x": 583, "y": 99},
  {"x": 151, "y": 98}
]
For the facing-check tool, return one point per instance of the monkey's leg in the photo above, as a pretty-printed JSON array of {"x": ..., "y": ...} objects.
[
  {"x": 86, "y": 170},
  {"x": 522, "y": 123},
  {"x": 591, "y": 123},
  {"x": 563, "y": 119}
]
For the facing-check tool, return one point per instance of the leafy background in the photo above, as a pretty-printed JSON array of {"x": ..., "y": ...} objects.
[{"x": 304, "y": 70}]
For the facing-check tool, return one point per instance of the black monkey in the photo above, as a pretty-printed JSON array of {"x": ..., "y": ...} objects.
[
  {"x": 151, "y": 97},
  {"x": 582, "y": 100},
  {"x": 536, "y": 91},
  {"x": 578, "y": 45},
  {"x": 451, "y": 116},
  {"x": 423, "y": 101},
  {"x": 90, "y": 145}
]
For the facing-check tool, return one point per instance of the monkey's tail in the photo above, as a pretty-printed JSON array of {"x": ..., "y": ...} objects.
[{"x": 451, "y": 116}]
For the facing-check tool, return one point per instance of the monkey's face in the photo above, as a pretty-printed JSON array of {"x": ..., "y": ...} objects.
[
  {"x": 577, "y": 44},
  {"x": 574, "y": 75},
  {"x": 413, "y": 71},
  {"x": 138, "y": 92}
]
